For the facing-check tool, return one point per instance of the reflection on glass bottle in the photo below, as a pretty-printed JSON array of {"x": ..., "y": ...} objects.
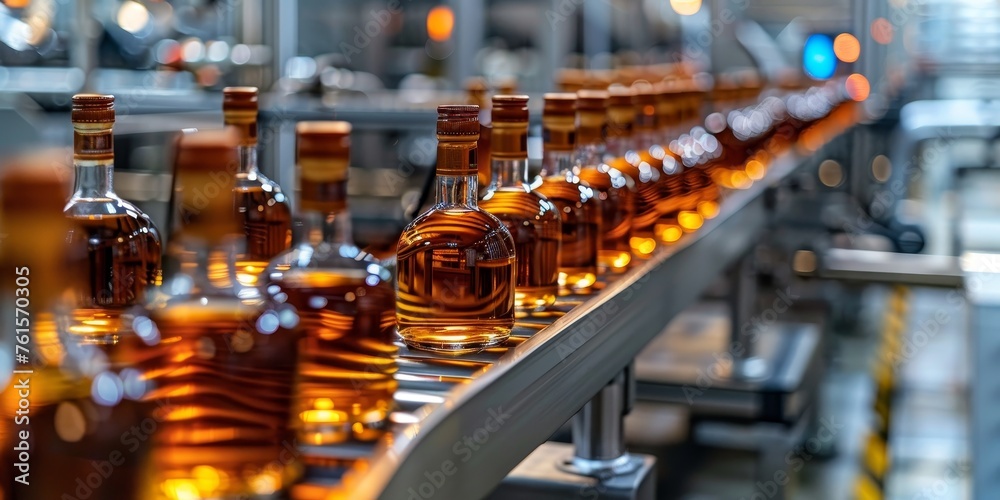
[
  {"x": 579, "y": 208},
  {"x": 71, "y": 400},
  {"x": 455, "y": 262},
  {"x": 123, "y": 245},
  {"x": 477, "y": 91},
  {"x": 217, "y": 438},
  {"x": 262, "y": 207},
  {"x": 532, "y": 220},
  {"x": 615, "y": 189},
  {"x": 340, "y": 299}
]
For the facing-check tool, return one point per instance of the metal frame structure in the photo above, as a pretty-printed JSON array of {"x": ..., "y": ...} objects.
[{"x": 498, "y": 415}]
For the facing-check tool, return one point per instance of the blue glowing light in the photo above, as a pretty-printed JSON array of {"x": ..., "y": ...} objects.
[{"x": 818, "y": 58}]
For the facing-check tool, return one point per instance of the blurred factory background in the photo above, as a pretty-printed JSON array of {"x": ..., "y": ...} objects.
[{"x": 916, "y": 178}]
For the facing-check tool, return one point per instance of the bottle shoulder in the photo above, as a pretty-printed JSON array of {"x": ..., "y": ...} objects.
[
  {"x": 520, "y": 204},
  {"x": 458, "y": 228}
]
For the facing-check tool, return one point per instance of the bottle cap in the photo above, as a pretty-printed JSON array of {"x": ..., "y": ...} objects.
[
  {"x": 93, "y": 108},
  {"x": 592, "y": 100},
  {"x": 458, "y": 122},
  {"x": 205, "y": 169},
  {"x": 324, "y": 150},
  {"x": 509, "y": 135},
  {"x": 559, "y": 121},
  {"x": 510, "y": 108},
  {"x": 240, "y": 99}
]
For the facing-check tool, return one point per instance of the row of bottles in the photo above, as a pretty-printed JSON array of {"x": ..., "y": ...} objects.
[{"x": 204, "y": 374}]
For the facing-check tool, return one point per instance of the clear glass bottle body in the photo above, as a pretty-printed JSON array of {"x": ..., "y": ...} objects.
[
  {"x": 455, "y": 273},
  {"x": 217, "y": 439},
  {"x": 617, "y": 206},
  {"x": 123, "y": 252},
  {"x": 265, "y": 215},
  {"x": 580, "y": 211},
  {"x": 535, "y": 225},
  {"x": 343, "y": 304}
]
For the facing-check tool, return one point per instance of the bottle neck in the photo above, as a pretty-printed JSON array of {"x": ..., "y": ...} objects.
[
  {"x": 325, "y": 217},
  {"x": 590, "y": 153},
  {"x": 555, "y": 162},
  {"x": 248, "y": 158},
  {"x": 509, "y": 172},
  {"x": 94, "y": 181},
  {"x": 457, "y": 189},
  {"x": 93, "y": 160}
]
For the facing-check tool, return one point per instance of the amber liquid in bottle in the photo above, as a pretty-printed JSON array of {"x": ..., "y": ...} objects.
[
  {"x": 576, "y": 201},
  {"x": 455, "y": 263},
  {"x": 123, "y": 253},
  {"x": 80, "y": 399},
  {"x": 615, "y": 189},
  {"x": 222, "y": 368},
  {"x": 532, "y": 220},
  {"x": 262, "y": 208},
  {"x": 339, "y": 299}
]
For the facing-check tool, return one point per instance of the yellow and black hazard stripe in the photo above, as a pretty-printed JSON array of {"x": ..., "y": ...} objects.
[{"x": 875, "y": 459}]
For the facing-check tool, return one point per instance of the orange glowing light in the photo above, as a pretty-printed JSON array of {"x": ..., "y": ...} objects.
[
  {"x": 708, "y": 209},
  {"x": 690, "y": 221},
  {"x": 882, "y": 31},
  {"x": 644, "y": 246},
  {"x": 858, "y": 87},
  {"x": 847, "y": 47},
  {"x": 17, "y": 4},
  {"x": 740, "y": 180},
  {"x": 755, "y": 170},
  {"x": 440, "y": 21},
  {"x": 671, "y": 234}
]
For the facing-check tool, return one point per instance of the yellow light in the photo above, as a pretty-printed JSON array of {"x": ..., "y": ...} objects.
[
  {"x": 643, "y": 246},
  {"x": 755, "y": 170},
  {"x": 622, "y": 260},
  {"x": 207, "y": 479},
  {"x": 858, "y": 87},
  {"x": 440, "y": 21},
  {"x": 708, "y": 209},
  {"x": 690, "y": 221},
  {"x": 133, "y": 16},
  {"x": 323, "y": 404},
  {"x": 686, "y": 7},
  {"x": 17, "y": 4},
  {"x": 323, "y": 416},
  {"x": 671, "y": 234},
  {"x": 181, "y": 489},
  {"x": 847, "y": 47},
  {"x": 740, "y": 180}
]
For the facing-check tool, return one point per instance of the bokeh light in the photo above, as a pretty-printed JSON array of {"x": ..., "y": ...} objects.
[
  {"x": 133, "y": 17},
  {"x": 686, "y": 7},
  {"x": 440, "y": 21},
  {"x": 882, "y": 31},
  {"x": 818, "y": 59},
  {"x": 857, "y": 87},
  {"x": 847, "y": 47}
]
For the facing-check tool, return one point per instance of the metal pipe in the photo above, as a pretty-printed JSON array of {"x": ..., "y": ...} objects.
[{"x": 598, "y": 429}]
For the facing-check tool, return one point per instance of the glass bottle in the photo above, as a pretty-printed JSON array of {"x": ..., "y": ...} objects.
[
  {"x": 68, "y": 403},
  {"x": 339, "y": 298},
  {"x": 455, "y": 263},
  {"x": 123, "y": 257},
  {"x": 263, "y": 209},
  {"x": 477, "y": 91},
  {"x": 615, "y": 189},
  {"x": 222, "y": 366},
  {"x": 559, "y": 181},
  {"x": 532, "y": 220},
  {"x": 623, "y": 126}
]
